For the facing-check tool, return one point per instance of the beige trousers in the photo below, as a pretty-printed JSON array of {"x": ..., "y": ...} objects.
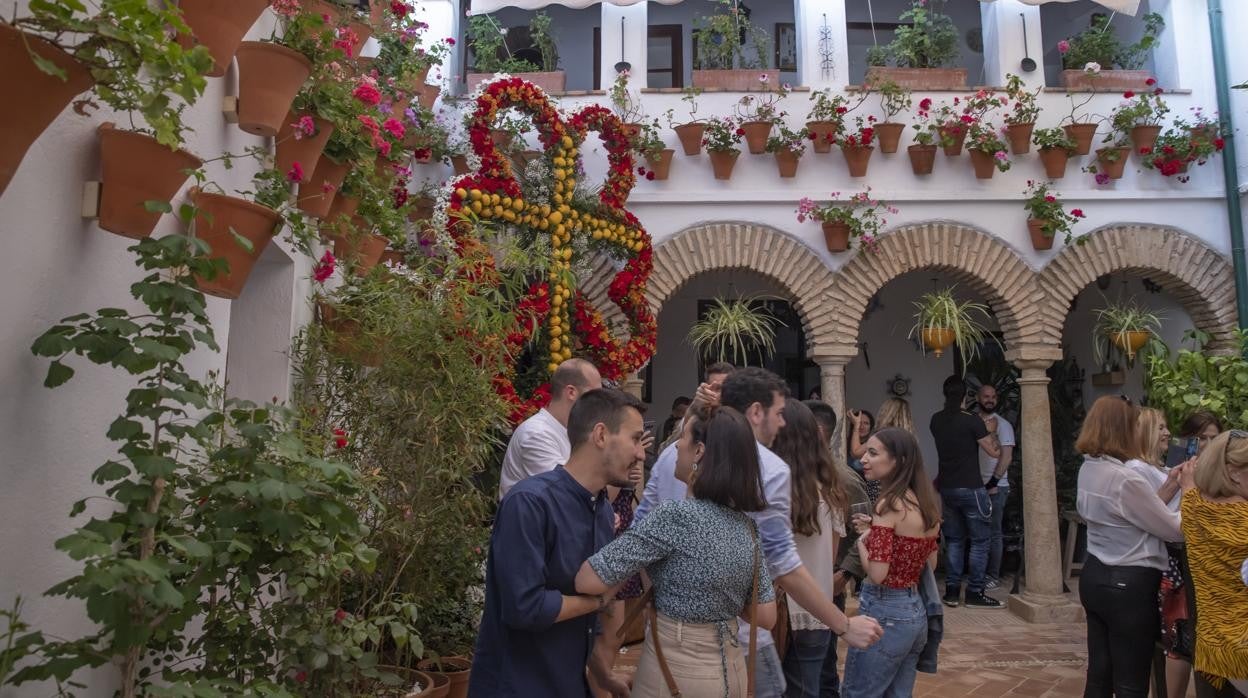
[{"x": 693, "y": 653}]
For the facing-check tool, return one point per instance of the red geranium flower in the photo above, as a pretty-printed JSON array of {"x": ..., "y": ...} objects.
[
  {"x": 1076, "y": 212},
  {"x": 1128, "y": 94},
  {"x": 367, "y": 93},
  {"x": 1150, "y": 82},
  {"x": 295, "y": 174}
]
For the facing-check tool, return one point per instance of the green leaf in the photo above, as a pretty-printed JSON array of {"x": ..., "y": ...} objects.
[
  {"x": 49, "y": 67},
  {"x": 157, "y": 350},
  {"x": 58, "y": 373},
  {"x": 109, "y": 472},
  {"x": 52, "y": 343},
  {"x": 155, "y": 206},
  {"x": 1191, "y": 399}
]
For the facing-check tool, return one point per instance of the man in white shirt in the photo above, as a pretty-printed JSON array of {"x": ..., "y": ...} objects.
[
  {"x": 995, "y": 472},
  {"x": 540, "y": 442}
]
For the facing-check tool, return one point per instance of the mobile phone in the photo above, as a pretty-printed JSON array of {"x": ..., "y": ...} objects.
[{"x": 1192, "y": 446}]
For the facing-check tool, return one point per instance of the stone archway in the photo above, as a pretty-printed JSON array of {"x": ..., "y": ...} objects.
[{"x": 1197, "y": 276}]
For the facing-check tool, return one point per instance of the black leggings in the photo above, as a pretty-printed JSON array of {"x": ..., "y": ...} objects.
[{"x": 1123, "y": 622}]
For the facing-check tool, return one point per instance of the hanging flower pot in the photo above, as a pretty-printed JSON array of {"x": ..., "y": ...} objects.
[
  {"x": 1039, "y": 241},
  {"x": 303, "y": 149},
  {"x": 1130, "y": 341},
  {"x": 836, "y": 236},
  {"x": 722, "y": 163},
  {"x": 756, "y": 135},
  {"x": 1054, "y": 160},
  {"x": 316, "y": 193},
  {"x": 341, "y": 216},
  {"x": 661, "y": 163},
  {"x": 857, "y": 157},
  {"x": 786, "y": 162},
  {"x": 460, "y": 163},
  {"x": 631, "y": 131},
  {"x": 1143, "y": 138},
  {"x": 922, "y": 158},
  {"x": 346, "y": 338},
  {"x": 889, "y": 135},
  {"x": 136, "y": 169},
  {"x": 937, "y": 339},
  {"x": 1082, "y": 135},
  {"x": 1112, "y": 161},
  {"x": 457, "y": 669},
  {"x": 1019, "y": 136},
  {"x": 42, "y": 96},
  {"x": 218, "y": 219},
  {"x": 951, "y": 139},
  {"x": 219, "y": 25},
  {"x": 823, "y": 135},
  {"x": 269, "y": 76},
  {"x": 360, "y": 250},
  {"x": 502, "y": 139},
  {"x": 422, "y": 209},
  {"x": 427, "y": 95},
  {"x": 690, "y": 136},
  {"x": 984, "y": 164}
]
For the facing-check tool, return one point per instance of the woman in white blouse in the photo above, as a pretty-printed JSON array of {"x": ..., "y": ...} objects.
[{"x": 1128, "y": 526}]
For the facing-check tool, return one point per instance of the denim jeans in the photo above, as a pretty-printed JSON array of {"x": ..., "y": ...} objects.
[
  {"x": 967, "y": 513},
  {"x": 768, "y": 674},
  {"x": 887, "y": 669},
  {"x": 997, "y": 547},
  {"x": 830, "y": 681},
  {"x": 803, "y": 664}
]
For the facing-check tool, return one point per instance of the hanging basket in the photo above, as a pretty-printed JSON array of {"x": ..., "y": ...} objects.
[
  {"x": 218, "y": 219},
  {"x": 1111, "y": 167},
  {"x": 1019, "y": 136},
  {"x": 756, "y": 135},
  {"x": 306, "y": 150},
  {"x": 690, "y": 136},
  {"x": 937, "y": 339},
  {"x": 42, "y": 97},
  {"x": 1083, "y": 135},
  {"x": 269, "y": 77},
  {"x": 136, "y": 169},
  {"x": 723, "y": 162},
  {"x": 922, "y": 158},
  {"x": 889, "y": 135},
  {"x": 786, "y": 162},
  {"x": 984, "y": 164},
  {"x": 1039, "y": 241},
  {"x": 219, "y": 25},
  {"x": 660, "y": 165},
  {"x": 857, "y": 158},
  {"x": 823, "y": 135},
  {"x": 1054, "y": 161},
  {"x": 836, "y": 236},
  {"x": 1130, "y": 342}
]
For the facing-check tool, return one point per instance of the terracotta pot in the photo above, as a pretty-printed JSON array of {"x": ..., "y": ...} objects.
[
  {"x": 269, "y": 76},
  {"x": 824, "y": 133},
  {"x": 362, "y": 34},
  {"x": 723, "y": 162},
  {"x": 1110, "y": 167},
  {"x": 42, "y": 96},
  {"x": 550, "y": 81},
  {"x": 432, "y": 685},
  {"x": 631, "y": 131},
  {"x": 1039, "y": 241},
  {"x": 346, "y": 343},
  {"x": 836, "y": 236},
  {"x": 735, "y": 80},
  {"x": 857, "y": 157},
  {"x": 313, "y": 199},
  {"x": 889, "y": 135},
  {"x": 360, "y": 252},
  {"x": 1130, "y": 342},
  {"x": 786, "y": 162},
  {"x": 427, "y": 95},
  {"x": 1108, "y": 79},
  {"x": 136, "y": 169},
  {"x": 422, "y": 209},
  {"x": 1083, "y": 135},
  {"x": 460, "y": 163},
  {"x": 690, "y": 136},
  {"x": 1054, "y": 160},
  {"x": 922, "y": 158},
  {"x": 661, "y": 166},
  {"x": 1144, "y": 137},
  {"x": 219, "y": 25},
  {"x": 457, "y": 669},
  {"x": 524, "y": 157},
  {"x": 937, "y": 339},
  {"x": 218, "y": 219},
  {"x": 984, "y": 164},
  {"x": 341, "y": 215},
  {"x": 1020, "y": 137},
  {"x": 756, "y": 135},
  {"x": 955, "y": 136},
  {"x": 502, "y": 139},
  {"x": 919, "y": 78},
  {"x": 307, "y": 150}
]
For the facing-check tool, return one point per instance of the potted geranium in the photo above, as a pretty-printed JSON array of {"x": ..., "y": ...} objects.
[
  {"x": 722, "y": 60},
  {"x": 491, "y": 55},
  {"x": 689, "y": 132},
  {"x": 894, "y": 100},
  {"x": 649, "y": 144},
  {"x": 857, "y": 146},
  {"x": 926, "y": 41},
  {"x": 1055, "y": 146},
  {"x": 953, "y": 122},
  {"x": 788, "y": 147},
  {"x": 722, "y": 140},
  {"x": 1021, "y": 119},
  {"x": 1125, "y": 326},
  {"x": 1079, "y": 128},
  {"x": 860, "y": 217},
  {"x": 827, "y": 118},
  {"x": 625, "y": 105},
  {"x": 926, "y": 134},
  {"x": 1097, "y": 44},
  {"x": 941, "y": 320},
  {"x": 988, "y": 151},
  {"x": 1141, "y": 116},
  {"x": 1111, "y": 161},
  {"x": 759, "y": 113},
  {"x": 1046, "y": 217}
]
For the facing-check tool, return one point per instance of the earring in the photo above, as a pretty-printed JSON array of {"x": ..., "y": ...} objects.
[{"x": 695, "y": 466}]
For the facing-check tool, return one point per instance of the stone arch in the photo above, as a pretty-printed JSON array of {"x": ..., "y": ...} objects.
[
  {"x": 754, "y": 247},
  {"x": 973, "y": 257},
  {"x": 1201, "y": 279}
]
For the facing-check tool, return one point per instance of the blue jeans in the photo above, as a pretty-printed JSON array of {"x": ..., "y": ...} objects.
[
  {"x": 887, "y": 669},
  {"x": 967, "y": 512},
  {"x": 830, "y": 680},
  {"x": 768, "y": 674},
  {"x": 803, "y": 664},
  {"x": 997, "y": 546}
]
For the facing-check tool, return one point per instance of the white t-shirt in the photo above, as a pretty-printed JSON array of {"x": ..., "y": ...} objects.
[
  {"x": 1157, "y": 477},
  {"x": 988, "y": 464},
  {"x": 536, "y": 446}
]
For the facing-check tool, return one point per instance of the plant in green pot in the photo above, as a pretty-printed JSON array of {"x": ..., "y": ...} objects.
[
  {"x": 735, "y": 330},
  {"x": 941, "y": 320},
  {"x": 1126, "y": 328}
]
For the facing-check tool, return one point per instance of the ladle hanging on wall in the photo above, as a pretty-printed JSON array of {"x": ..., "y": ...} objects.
[{"x": 1027, "y": 64}]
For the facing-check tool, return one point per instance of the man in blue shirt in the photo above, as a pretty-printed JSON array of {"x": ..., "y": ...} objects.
[{"x": 537, "y": 633}]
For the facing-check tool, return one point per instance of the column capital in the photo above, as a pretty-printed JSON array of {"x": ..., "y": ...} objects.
[
  {"x": 1033, "y": 370},
  {"x": 833, "y": 355},
  {"x": 1046, "y": 353}
]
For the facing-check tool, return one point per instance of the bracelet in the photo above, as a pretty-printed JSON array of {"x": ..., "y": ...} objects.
[{"x": 992, "y": 482}]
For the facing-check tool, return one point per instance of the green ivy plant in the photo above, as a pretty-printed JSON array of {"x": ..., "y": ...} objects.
[
  {"x": 127, "y": 46},
  {"x": 929, "y": 40},
  {"x": 1197, "y": 379}
]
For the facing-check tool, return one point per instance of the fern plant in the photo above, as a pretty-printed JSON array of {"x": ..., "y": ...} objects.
[{"x": 733, "y": 330}]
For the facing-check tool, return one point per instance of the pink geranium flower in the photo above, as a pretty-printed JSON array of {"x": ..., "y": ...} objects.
[
  {"x": 324, "y": 268},
  {"x": 295, "y": 173},
  {"x": 1063, "y": 46}
]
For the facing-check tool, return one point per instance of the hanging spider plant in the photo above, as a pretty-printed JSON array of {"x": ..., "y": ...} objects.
[
  {"x": 1126, "y": 327},
  {"x": 942, "y": 320},
  {"x": 733, "y": 330}
]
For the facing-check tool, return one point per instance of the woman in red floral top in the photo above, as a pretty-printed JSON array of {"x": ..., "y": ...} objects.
[{"x": 895, "y": 544}]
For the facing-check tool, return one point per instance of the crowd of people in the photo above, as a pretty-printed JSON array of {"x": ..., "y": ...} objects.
[{"x": 749, "y": 530}]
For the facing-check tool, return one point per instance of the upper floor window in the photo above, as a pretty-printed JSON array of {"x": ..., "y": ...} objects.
[
  {"x": 756, "y": 35},
  {"x": 1083, "y": 32},
  {"x": 556, "y": 39},
  {"x": 915, "y": 34}
]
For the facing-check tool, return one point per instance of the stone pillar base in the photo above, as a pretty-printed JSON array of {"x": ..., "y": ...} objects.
[{"x": 1037, "y": 608}]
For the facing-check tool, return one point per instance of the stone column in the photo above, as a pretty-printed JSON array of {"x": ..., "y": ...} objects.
[
  {"x": 832, "y": 388},
  {"x": 1042, "y": 601},
  {"x": 633, "y": 384}
]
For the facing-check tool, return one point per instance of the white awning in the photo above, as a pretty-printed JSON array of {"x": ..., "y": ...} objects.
[
  {"x": 1127, "y": 7},
  {"x": 480, "y": 7}
]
